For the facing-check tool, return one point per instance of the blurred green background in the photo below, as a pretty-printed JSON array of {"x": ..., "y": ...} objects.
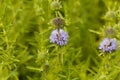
[{"x": 27, "y": 54}]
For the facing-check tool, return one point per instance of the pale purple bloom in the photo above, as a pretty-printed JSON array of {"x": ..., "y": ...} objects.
[
  {"x": 108, "y": 45},
  {"x": 59, "y": 37}
]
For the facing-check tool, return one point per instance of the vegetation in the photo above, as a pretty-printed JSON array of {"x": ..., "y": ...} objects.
[{"x": 26, "y": 52}]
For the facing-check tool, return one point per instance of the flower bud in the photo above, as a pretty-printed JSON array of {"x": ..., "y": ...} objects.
[
  {"x": 55, "y": 5},
  {"x": 58, "y": 22}
]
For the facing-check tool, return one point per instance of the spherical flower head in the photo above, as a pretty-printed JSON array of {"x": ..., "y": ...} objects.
[
  {"x": 58, "y": 22},
  {"x": 108, "y": 45},
  {"x": 59, "y": 37}
]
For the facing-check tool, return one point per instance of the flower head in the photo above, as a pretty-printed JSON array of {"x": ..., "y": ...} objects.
[
  {"x": 59, "y": 37},
  {"x": 58, "y": 22},
  {"x": 108, "y": 45}
]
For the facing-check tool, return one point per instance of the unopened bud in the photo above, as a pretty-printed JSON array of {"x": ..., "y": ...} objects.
[
  {"x": 58, "y": 22},
  {"x": 55, "y": 5}
]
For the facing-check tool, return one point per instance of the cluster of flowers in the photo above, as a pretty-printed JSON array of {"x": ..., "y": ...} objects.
[
  {"x": 109, "y": 44},
  {"x": 59, "y": 36}
]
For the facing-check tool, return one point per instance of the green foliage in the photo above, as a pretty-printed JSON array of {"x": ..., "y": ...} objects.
[{"x": 27, "y": 54}]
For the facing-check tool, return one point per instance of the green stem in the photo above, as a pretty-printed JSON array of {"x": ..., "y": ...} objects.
[{"x": 60, "y": 55}]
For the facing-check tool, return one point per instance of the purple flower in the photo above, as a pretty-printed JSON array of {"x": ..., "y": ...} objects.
[
  {"x": 108, "y": 45},
  {"x": 59, "y": 37}
]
